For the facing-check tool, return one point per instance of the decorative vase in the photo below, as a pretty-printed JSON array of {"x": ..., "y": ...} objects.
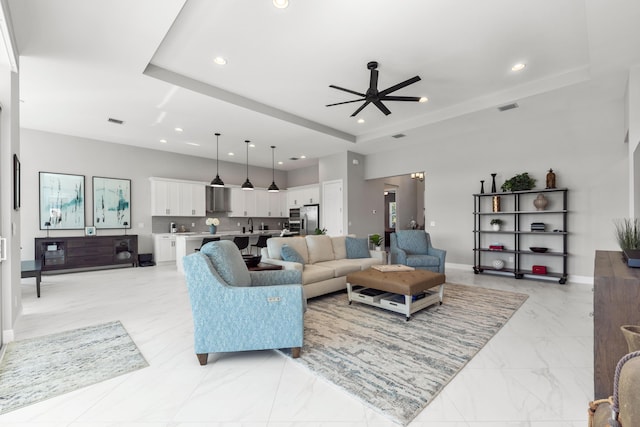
[
  {"x": 551, "y": 179},
  {"x": 378, "y": 248},
  {"x": 632, "y": 335},
  {"x": 498, "y": 264},
  {"x": 540, "y": 202},
  {"x": 496, "y": 203},
  {"x": 496, "y": 227},
  {"x": 212, "y": 229},
  {"x": 493, "y": 182},
  {"x": 482, "y": 186}
]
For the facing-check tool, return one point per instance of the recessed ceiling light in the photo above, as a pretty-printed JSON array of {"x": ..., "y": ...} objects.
[
  {"x": 303, "y": 157},
  {"x": 252, "y": 145},
  {"x": 360, "y": 120},
  {"x": 195, "y": 144},
  {"x": 164, "y": 141},
  {"x": 423, "y": 99},
  {"x": 219, "y": 60},
  {"x": 281, "y": 163},
  {"x": 518, "y": 67},
  {"x": 178, "y": 129},
  {"x": 281, "y": 4},
  {"x": 230, "y": 154}
]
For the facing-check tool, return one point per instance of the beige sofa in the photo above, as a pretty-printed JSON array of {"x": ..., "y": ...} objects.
[{"x": 325, "y": 264}]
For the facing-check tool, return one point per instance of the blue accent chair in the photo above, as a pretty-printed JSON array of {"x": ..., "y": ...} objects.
[
  {"x": 413, "y": 248},
  {"x": 235, "y": 309}
]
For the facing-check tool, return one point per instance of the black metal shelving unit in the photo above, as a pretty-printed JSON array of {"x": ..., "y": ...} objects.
[{"x": 518, "y": 232}]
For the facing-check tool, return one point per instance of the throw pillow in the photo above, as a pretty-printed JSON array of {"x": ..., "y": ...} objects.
[
  {"x": 357, "y": 248},
  {"x": 290, "y": 254}
]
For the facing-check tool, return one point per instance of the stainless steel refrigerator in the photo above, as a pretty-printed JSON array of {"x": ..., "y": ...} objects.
[{"x": 309, "y": 219}]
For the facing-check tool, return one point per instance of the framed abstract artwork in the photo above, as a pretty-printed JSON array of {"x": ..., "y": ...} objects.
[
  {"x": 61, "y": 201},
  {"x": 111, "y": 202}
]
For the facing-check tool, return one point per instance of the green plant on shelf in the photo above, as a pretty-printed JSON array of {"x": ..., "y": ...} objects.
[
  {"x": 519, "y": 183},
  {"x": 497, "y": 221}
]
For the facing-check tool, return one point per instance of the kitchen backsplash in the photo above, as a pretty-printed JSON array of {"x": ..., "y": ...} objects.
[{"x": 161, "y": 224}]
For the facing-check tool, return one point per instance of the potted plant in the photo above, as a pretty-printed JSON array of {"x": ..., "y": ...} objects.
[
  {"x": 320, "y": 231},
  {"x": 628, "y": 233},
  {"x": 377, "y": 241},
  {"x": 519, "y": 183},
  {"x": 496, "y": 223},
  {"x": 213, "y": 224}
]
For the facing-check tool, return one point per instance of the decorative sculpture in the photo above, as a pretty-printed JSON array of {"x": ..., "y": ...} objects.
[{"x": 551, "y": 179}]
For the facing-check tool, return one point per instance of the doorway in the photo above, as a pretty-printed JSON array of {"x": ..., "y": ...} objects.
[{"x": 390, "y": 212}]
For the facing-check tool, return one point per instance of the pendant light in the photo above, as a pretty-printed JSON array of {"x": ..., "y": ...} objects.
[
  {"x": 247, "y": 184},
  {"x": 217, "y": 182},
  {"x": 273, "y": 188}
]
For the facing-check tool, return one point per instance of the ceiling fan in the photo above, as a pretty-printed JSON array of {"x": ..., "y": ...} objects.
[{"x": 375, "y": 97}]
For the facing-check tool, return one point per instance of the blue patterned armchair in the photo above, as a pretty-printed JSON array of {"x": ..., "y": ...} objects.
[
  {"x": 235, "y": 309},
  {"x": 413, "y": 248}
]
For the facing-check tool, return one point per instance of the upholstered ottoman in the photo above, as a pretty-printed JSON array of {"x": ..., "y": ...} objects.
[{"x": 401, "y": 291}]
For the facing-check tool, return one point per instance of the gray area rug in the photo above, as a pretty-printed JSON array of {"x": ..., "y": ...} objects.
[
  {"x": 40, "y": 368},
  {"x": 398, "y": 367}
]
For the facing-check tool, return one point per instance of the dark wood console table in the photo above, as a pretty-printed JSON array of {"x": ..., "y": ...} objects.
[
  {"x": 616, "y": 302},
  {"x": 65, "y": 253}
]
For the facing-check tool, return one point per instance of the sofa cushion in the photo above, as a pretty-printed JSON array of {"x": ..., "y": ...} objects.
[
  {"x": 298, "y": 243},
  {"x": 423, "y": 261},
  {"x": 227, "y": 260},
  {"x": 319, "y": 248},
  {"x": 339, "y": 248},
  {"x": 357, "y": 248},
  {"x": 290, "y": 254},
  {"x": 313, "y": 273},
  {"x": 342, "y": 267}
]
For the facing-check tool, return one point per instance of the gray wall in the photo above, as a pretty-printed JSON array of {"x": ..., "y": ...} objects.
[
  {"x": 582, "y": 141},
  {"x": 302, "y": 176},
  {"x": 49, "y": 152}
]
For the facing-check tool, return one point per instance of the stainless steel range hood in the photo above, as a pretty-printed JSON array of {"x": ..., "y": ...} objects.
[{"x": 218, "y": 199}]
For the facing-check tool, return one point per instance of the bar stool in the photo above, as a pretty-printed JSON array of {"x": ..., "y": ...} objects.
[
  {"x": 261, "y": 243},
  {"x": 242, "y": 242},
  {"x": 205, "y": 241}
]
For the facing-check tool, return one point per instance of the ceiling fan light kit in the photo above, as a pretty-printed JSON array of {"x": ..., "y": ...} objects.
[{"x": 375, "y": 97}]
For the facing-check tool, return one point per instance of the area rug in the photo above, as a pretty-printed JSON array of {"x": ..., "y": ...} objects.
[
  {"x": 36, "y": 369},
  {"x": 394, "y": 366}
]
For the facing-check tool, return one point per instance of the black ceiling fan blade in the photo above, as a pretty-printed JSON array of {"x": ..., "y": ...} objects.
[
  {"x": 348, "y": 90},
  {"x": 345, "y": 102},
  {"x": 373, "y": 80},
  {"x": 360, "y": 109},
  {"x": 400, "y": 86},
  {"x": 400, "y": 98},
  {"x": 381, "y": 107}
]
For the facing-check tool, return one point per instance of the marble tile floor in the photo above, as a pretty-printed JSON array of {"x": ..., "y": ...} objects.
[{"x": 537, "y": 371}]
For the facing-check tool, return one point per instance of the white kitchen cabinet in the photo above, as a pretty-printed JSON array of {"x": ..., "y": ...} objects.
[
  {"x": 165, "y": 199},
  {"x": 192, "y": 199},
  {"x": 300, "y": 196},
  {"x": 164, "y": 248},
  {"x": 276, "y": 207},
  {"x": 177, "y": 198},
  {"x": 243, "y": 203},
  {"x": 262, "y": 203}
]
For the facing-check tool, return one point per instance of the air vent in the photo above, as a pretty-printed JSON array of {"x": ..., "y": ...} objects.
[
  {"x": 508, "y": 107},
  {"x": 293, "y": 158},
  {"x": 116, "y": 121},
  {"x": 398, "y": 135}
]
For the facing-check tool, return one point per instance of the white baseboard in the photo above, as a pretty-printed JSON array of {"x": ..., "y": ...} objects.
[
  {"x": 584, "y": 280},
  {"x": 8, "y": 336}
]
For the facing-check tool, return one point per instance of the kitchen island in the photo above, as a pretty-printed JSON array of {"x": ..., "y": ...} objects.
[{"x": 187, "y": 243}]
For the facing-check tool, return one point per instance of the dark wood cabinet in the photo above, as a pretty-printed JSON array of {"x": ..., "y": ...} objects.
[
  {"x": 65, "y": 253},
  {"x": 616, "y": 302}
]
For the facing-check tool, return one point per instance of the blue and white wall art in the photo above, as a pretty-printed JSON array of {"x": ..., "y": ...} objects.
[
  {"x": 61, "y": 201},
  {"x": 111, "y": 202}
]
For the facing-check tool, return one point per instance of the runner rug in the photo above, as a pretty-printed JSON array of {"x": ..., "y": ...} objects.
[
  {"x": 36, "y": 369},
  {"x": 394, "y": 366}
]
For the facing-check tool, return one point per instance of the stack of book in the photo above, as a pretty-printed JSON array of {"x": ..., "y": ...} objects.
[
  {"x": 537, "y": 226},
  {"x": 496, "y": 247}
]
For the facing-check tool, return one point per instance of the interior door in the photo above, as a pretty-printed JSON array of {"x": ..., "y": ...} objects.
[{"x": 332, "y": 204}]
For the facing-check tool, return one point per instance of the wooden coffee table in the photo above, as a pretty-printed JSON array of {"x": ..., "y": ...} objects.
[{"x": 403, "y": 292}]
